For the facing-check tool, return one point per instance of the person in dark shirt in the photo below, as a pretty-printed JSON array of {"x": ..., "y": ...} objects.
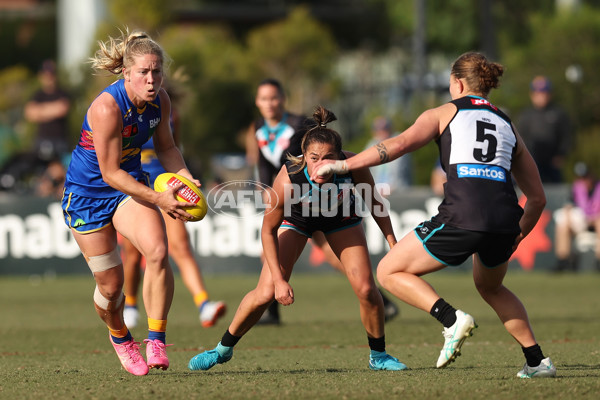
[
  {"x": 49, "y": 108},
  {"x": 31, "y": 169},
  {"x": 546, "y": 131}
]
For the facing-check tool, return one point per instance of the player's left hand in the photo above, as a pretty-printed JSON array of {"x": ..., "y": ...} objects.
[
  {"x": 518, "y": 241},
  {"x": 175, "y": 209},
  {"x": 284, "y": 294}
]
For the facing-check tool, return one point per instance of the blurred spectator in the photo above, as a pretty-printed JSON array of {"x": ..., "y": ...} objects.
[
  {"x": 48, "y": 108},
  {"x": 275, "y": 134},
  {"x": 437, "y": 179},
  {"x": 546, "y": 130},
  {"x": 579, "y": 216},
  {"x": 398, "y": 173},
  {"x": 50, "y": 184}
]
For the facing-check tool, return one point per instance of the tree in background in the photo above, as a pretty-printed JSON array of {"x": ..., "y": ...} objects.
[
  {"x": 224, "y": 73},
  {"x": 533, "y": 37},
  {"x": 562, "y": 46},
  {"x": 310, "y": 49},
  {"x": 298, "y": 51}
]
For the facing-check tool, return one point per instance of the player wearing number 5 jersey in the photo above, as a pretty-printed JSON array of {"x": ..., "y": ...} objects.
[
  {"x": 479, "y": 216},
  {"x": 476, "y": 150}
]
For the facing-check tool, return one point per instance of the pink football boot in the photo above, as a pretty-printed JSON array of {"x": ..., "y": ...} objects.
[
  {"x": 156, "y": 354},
  {"x": 130, "y": 357}
]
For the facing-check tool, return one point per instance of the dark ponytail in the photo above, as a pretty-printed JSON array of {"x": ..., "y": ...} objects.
[{"x": 319, "y": 133}]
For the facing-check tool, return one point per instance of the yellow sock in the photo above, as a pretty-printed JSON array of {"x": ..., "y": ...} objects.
[
  {"x": 130, "y": 301},
  {"x": 157, "y": 325},
  {"x": 157, "y": 329},
  {"x": 200, "y": 298},
  {"x": 121, "y": 333}
]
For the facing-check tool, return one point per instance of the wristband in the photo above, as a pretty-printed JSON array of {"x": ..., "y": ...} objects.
[{"x": 337, "y": 167}]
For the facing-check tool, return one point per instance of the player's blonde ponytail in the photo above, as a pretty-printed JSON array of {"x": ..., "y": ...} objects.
[{"x": 118, "y": 53}]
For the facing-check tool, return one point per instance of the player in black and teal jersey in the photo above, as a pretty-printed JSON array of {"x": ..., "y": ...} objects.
[{"x": 299, "y": 207}]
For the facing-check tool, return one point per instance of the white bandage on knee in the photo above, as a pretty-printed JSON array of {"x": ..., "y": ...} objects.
[
  {"x": 105, "y": 303},
  {"x": 105, "y": 261}
]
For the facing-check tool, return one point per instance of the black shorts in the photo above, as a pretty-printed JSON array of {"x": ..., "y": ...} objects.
[
  {"x": 453, "y": 246},
  {"x": 307, "y": 226}
]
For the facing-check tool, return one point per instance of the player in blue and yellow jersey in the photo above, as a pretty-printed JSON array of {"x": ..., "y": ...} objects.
[
  {"x": 106, "y": 191},
  {"x": 180, "y": 248},
  {"x": 326, "y": 204},
  {"x": 479, "y": 217}
]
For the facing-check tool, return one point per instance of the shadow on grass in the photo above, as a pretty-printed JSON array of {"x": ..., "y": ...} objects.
[{"x": 305, "y": 371}]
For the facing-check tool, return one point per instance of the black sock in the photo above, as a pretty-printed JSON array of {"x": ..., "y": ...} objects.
[
  {"x": 562, "y": 264},
  {"x": 533, "y": 355},
  {"x": 377, "y": 344},
  {"x": 229, "y": 340},
  {"x": 273, "y": 310},
  {"x": 444, "y": 313}
]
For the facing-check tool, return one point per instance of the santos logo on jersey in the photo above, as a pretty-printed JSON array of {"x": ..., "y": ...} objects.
[{"x": 481, "y": 171}]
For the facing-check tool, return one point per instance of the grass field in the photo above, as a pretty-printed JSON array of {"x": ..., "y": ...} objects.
[{"x": 53, "y": 346}]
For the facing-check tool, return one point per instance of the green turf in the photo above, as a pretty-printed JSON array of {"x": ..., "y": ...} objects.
[{"x": 53, "y": 346}]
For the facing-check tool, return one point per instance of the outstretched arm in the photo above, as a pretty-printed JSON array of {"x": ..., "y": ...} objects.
[{"x": 425, "y": 129}]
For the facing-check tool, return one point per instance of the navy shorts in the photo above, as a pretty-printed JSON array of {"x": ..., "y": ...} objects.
[
  {"x": 453, "y": 246},
  {"x": 89, "y": 214}
]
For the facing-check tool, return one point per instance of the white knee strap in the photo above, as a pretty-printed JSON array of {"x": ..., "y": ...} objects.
[
  {"x": 104, "y": 303},
  {"x": 105, "y": 261}
]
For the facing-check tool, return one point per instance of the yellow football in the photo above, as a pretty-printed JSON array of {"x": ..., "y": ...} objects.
[{"x": 189, "y": 193}]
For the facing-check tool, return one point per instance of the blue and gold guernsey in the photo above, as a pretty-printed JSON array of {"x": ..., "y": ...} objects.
[
  {"x": 150, "y": 162},
  {"x": 83, "y": 176}
]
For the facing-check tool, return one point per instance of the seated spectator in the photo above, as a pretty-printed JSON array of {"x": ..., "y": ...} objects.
[
  {"x": 580, "y": 215},
  {"x": 50, "y": 184}
]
